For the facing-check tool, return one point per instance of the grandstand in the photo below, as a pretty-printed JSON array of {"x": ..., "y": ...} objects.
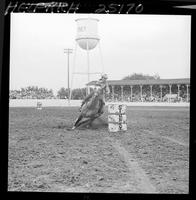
[{"x": 155, "y": 90}]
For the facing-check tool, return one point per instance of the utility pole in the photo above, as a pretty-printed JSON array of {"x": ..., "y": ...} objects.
[{"x": 68, "y": 51}]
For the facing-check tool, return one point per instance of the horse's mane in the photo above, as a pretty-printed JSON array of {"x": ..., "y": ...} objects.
[{"x": 94, "y": 101}]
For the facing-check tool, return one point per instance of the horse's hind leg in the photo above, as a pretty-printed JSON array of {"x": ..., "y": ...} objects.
[
  {"x": 88, "y": 122},
  {"x": 92, "y": 119},
  {"x": 83, "y": 122}
]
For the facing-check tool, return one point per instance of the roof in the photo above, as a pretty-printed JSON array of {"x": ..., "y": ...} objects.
[{"x": 146, "y": 82}]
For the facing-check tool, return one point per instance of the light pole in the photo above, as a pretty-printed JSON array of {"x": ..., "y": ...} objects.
[{"x": 68, "y": 51}]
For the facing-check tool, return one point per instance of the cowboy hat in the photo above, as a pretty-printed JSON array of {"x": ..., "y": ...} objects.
[{"x": 104, "y": 77}]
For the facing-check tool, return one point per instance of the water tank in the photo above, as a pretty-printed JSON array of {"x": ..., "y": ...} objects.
[{"x": 87, "y": 36}]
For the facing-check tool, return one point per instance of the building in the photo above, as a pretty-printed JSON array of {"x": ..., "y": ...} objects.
[{"x": 128, "y": 85}]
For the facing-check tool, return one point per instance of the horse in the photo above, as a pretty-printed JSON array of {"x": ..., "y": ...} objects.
[{"x": 91, "y": 109}]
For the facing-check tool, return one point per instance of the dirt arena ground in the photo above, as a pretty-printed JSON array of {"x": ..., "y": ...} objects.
[{"x": 151, "y": 157}]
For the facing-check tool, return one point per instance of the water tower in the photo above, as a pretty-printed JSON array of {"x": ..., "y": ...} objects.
[
  {"x": 87, "y": 34},
  {"x": 87, "y": 39}
]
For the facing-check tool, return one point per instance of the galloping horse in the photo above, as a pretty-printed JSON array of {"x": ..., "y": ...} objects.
[{"x": 92, "y": 109}]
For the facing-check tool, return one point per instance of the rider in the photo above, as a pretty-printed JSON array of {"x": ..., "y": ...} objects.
[{"x": 102, "y": 85}]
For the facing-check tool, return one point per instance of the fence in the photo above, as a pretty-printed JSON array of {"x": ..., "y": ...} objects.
[{"x": 65, "y": 103}]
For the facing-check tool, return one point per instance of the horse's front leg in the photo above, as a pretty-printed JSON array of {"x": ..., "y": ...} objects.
[
  {"x": 77, "y": 121},
  {"x": 83, "y": 122}
]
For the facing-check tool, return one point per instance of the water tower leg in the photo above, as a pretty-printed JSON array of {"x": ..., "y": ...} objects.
[
  {"x": 88, "y": 68},
  {"x": 72, "y": 77}
]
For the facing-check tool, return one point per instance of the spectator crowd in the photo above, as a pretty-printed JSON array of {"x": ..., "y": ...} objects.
[
  {"x": 34, "y": 92},
  {"x": 146, "y": 94}
]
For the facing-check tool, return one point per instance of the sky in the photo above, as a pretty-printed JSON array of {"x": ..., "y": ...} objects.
[{"x": 147, "y": 44}]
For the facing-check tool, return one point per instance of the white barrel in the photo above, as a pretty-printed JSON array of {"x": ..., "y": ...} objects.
[
  {"x": 117, "y": 108},
  {"x": 87, "y": 33},
  {"x": 117, "y": 119},
  {"x": 117, "y": 127}
]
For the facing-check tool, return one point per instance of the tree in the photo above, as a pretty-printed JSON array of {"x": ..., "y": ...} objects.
[
  {"x": 141, "y": 76},
  {"x": 62, "y": 93},
  {"x": 78, "y": 93}
]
